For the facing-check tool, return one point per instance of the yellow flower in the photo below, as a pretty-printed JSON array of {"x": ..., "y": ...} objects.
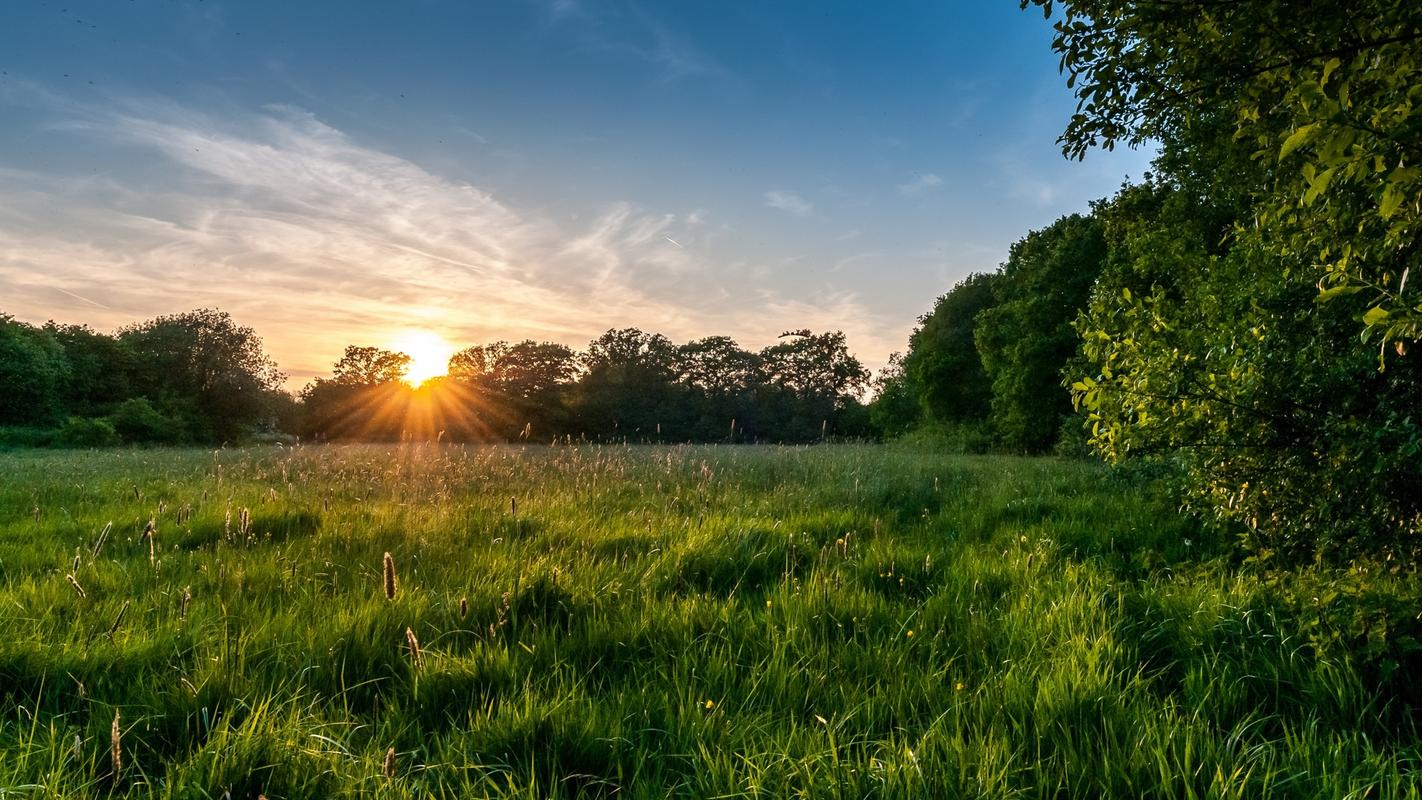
[
  {"x": 958, "y": 687},
  {"x": 910, "y": 634},
  {"x": 710, "y": 704}
]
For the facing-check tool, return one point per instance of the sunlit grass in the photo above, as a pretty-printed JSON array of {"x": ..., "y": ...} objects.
[{"x": 831, "y": 621}]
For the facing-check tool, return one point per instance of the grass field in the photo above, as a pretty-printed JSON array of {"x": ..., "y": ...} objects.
[{"x": 833, "y": 621}]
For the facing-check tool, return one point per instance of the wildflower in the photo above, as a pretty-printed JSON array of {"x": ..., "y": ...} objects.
[
  {"x": 910, "y": 634},
  {"x": 710, "y": 704},
  {"x": 958, "y": 687}
]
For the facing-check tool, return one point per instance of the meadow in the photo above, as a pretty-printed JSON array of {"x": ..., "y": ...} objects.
[{"x": 602, "y": 621}]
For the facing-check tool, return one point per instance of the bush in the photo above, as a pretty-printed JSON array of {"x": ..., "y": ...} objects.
[
  {"x": 138, "y": 421},
  {"x": 20, "y": 436},
  {"x": 86, "y": 432}
]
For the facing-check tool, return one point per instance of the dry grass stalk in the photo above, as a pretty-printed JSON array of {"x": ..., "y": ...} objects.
[
  {"x": 103, "y": 537},
  {"x": 116, "y": 743},
  {"x": 392, "y": 583},
  {"x": 416, "y": 657},
  {"x": 75, "y": 583},
  {"x": 463, "y": 607},
  {"x": 390, "y": 764},
  {"x": 150, "y": 532},
  {"x": 183, "y": 606}
]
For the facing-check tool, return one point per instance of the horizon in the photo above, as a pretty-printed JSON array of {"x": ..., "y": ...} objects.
[{"x": 548, "y": 170}]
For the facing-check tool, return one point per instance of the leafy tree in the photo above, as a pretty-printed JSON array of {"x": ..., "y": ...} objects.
[
  {"x": 98, "y": 372},
  {"x": 205, "y": 368},
  {"x": 717, "y": 367},
  {"x": 628, "y": 385},
  {"x": 33, "y": 371},
  {"x": 1233, "y": 349},
  {"x": 1327, "y": 95},
  {"x": 895, "y": 408},
  {"x": 719, "y": 380},
  {"x": 942, "y": 370},
  {"x": 1221, "y": 363},
  {"x": 1026, "y": 338},
  {"x": 516, "y": 389},
  {"x": 370, "y": 366},
  {"x": 810, "y": 380}
]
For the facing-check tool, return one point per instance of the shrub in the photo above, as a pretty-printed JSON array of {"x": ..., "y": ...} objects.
[
  {"x": 86, "y": 432},
  {"x": 137, "y": 420}
]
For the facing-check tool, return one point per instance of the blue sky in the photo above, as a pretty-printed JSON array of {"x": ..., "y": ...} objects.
[{"x": 358, "y": 172}]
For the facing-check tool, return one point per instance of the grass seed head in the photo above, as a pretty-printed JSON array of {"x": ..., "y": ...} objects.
[
  {"x": 390, "y": 764},
  {"x": 416, "y": 657},
  {"x": 116, "y": 745},
  {"x": 392, "y": 583}
]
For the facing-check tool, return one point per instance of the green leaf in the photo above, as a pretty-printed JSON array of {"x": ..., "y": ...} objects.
[
  {"x": 1375, "y": 315},
  {"x": 1317, "y": 186},
  {"x": 1297, "y": 139},
  {"x": 1336, "y": 291},
  {"x": 1391, "y": 201},
  {"x": 1328, "y": 68}
]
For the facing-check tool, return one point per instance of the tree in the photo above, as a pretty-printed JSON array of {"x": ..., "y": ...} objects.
[
  {"x": 1325, "y": 95},
  {"x": 1026, "y": 338},
  {"x": 895, "y": 409},
  {"x": 1221, "y": 364},
  {"x": 33, "y": 371},
  {"x": 719, "y": 379},
  {"x": 1232, "y": 350},
  {"x": 205, "y": 368},
  {"x": 942, "y": 370},
  {"x": 810, "y": 380},
  {"x": 370, "y": 366},
  {"x": 628, "y": 385},
  {"x": 97, "y": 379}
]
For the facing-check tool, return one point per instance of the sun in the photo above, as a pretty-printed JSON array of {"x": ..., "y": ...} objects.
[{"x": 428, "y": 351}]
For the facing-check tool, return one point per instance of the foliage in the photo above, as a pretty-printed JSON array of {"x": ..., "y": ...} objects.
[
  {"x": 32, "y": 371},
  {"x": 86, "y": 432},
  {"x": 370, "y": 366},
  {"x": 205, "y": 368},
  {"x": 1283, "y": 427},
  {"x": 98, "y": 374},
  {"x": 670, "y": 621},
  {"x": 137, "y": 421},
  {"x": 1328, "y": 95},
  {"x": 895, "y": 409},
  {"x": 943, "y": 369},
  {"x": 1026, "y": 338},
  {"x": 1225, "y": 335}
]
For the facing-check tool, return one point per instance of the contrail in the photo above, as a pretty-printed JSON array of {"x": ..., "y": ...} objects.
[
  {"x": 81, "y": 297},
  {"x": 673, "y": 241}
]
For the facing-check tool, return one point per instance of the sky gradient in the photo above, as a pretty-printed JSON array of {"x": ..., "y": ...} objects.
[{"x": 375, "y": 172}]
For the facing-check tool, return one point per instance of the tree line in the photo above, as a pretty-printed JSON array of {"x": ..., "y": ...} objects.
[
  {"x": 199, "y": 377},
  {"x": 1242, "y": 317},
  {"x": 628, "y": 385}
]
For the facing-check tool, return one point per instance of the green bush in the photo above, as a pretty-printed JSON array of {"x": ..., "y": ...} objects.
[
  {"x": 138, "y": 421},
  {"x": 86, "y": 432},
  {"x": 21, "y": 436}
]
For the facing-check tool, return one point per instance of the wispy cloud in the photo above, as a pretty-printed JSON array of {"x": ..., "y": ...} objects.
[
  {"x": 318, "y": 241},
  {"x": 789, "y": 202},
  {"x": 630, "y": 31},
  {"x": 922, "y": 184}
]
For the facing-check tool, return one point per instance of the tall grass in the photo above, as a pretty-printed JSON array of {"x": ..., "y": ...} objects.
[{"x": 578, "y": 621}]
